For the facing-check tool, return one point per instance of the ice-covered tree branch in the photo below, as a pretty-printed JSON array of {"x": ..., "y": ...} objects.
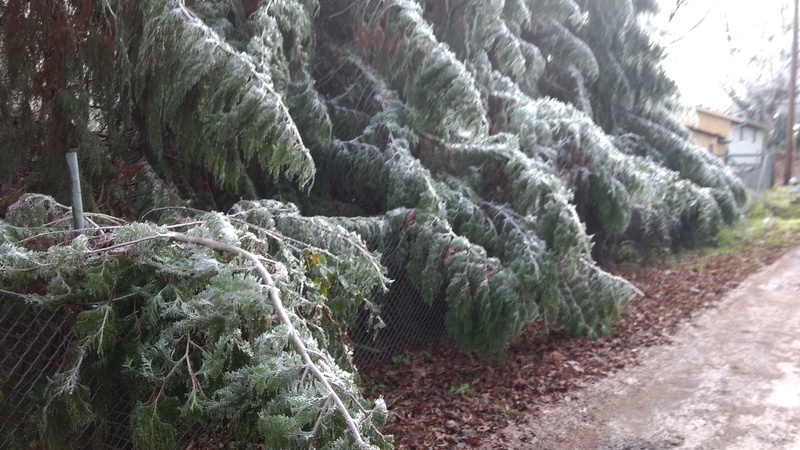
[{"x": 272, "y": 292}]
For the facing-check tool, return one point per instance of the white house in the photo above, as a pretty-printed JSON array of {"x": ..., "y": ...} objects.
[
  {"x": 747, "y": 143},
  {"x": 741, "y": 143}
]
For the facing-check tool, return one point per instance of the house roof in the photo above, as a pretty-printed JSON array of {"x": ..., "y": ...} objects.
[
  {"x": 721, "y": 115},
  {"x": 733, "y": 119},
  {"x": 754, "y": 124}
]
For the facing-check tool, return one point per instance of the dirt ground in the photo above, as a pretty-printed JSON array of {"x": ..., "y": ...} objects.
[{"x": 729, "y": 380}]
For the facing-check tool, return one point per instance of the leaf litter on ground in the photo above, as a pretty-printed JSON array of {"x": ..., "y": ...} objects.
[{"x": 441, "y": 397}]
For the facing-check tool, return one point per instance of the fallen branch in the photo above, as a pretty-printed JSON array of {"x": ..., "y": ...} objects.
[
  {"x": 284, "y": 316},
  {"x": 314, "y": 362}
]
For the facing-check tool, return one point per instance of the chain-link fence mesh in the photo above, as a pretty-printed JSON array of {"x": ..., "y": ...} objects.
[
  {"x": 756, "y": 170},
  {"x": 410, "y": 321},
  {"x": 35, "y": 347}
]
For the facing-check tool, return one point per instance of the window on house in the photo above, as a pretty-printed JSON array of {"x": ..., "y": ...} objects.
[
  {"x": 741, "y": 133},
  {"x": 754, "y": 135},
  {"x": 711, "y": 148}
]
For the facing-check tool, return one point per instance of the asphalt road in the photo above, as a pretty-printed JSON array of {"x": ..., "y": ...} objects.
[{"x": 729, "y": 380}]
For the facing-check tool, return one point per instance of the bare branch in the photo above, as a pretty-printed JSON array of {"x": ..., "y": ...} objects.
[
  {"x": 678, "y": 4},
  {"x": 679, "y": 38},
  {"x": 13, "y": 294},
  {"x": 322, "y": 413}
]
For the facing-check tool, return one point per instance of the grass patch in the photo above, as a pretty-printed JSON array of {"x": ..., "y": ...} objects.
[
  {"x": 773, "y": 217},
  {"x": 772, "y": 220}
]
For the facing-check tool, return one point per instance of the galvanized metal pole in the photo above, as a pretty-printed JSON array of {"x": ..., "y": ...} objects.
[
  {"x": 790, "y": 138},
  {"x": 77, "y": 200}
]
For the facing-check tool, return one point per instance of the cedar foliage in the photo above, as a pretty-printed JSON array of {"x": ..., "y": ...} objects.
[
  {"x": 501, "y": 147},
  {"x": 189, "y": 334}
]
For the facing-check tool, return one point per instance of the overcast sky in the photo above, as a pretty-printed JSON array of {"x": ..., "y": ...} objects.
[{"x": 699, "y": 59}]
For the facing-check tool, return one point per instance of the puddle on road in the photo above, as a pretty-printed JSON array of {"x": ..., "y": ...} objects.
[
  {"x": 773, "y": 285},
  {"x": 786, "y": 391}
]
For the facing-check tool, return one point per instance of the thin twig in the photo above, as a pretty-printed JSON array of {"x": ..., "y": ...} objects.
[
  {"x": 126, "y": 244},
  {"x": 65, "y": 232},
  {"x": 185, "y": 224},
  {"x": 302, "y": 378},
  {"x": 91, "y": 222},
  {"x": 13, "y": 294},
  {"x": 322, "y": 413},
  {"x": 115, "y": 220},
  {"x": 50, "y": 224},
  {"x": 169, "y": 375},
  {"x": 691, "y": 29},
  {"x": 184, "y": 358},
  {"x": 167, "y": 208},
  {"x": 192, "y": 376}
]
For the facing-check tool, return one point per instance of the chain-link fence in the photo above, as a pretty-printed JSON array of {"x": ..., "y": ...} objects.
[
  {"x": 756, "y": 170},
  {"x": 35, "y": 347},
  {"x": 410, "y": 321}
]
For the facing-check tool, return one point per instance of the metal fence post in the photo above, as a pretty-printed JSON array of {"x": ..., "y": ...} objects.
[{"x": 77, "y": 201}]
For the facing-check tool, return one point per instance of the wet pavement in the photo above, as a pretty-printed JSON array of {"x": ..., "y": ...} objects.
[{"x": 730, "y": 380}]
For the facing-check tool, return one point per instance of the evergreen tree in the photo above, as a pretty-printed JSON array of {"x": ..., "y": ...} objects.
[{"x": 497, "y": 147}]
